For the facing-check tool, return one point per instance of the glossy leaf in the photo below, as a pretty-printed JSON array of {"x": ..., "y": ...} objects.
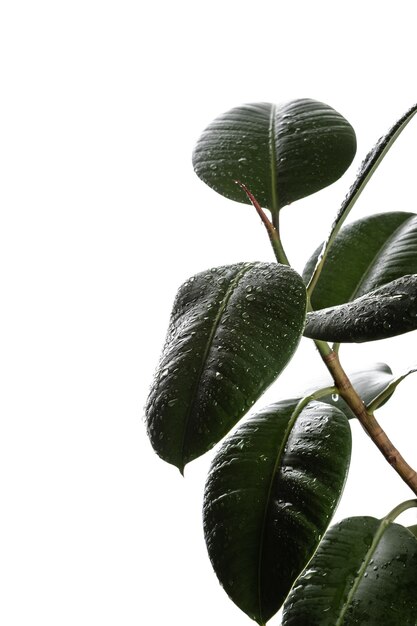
[
  {"x": 365, "y": 255},
  {"x": 280, "y": 152},
  {"x": 367, "y": 169},
  {"x": 388, "y": 311},
  {"x": 368, "y": 382},
  {"x": 232, "y": 331},
  {"x": 364, "y": 572},
  {"x": 269, "y": 497}
]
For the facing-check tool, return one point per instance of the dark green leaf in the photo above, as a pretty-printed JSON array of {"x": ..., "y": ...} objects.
[
  {"x": 375, "y": 156},
  {"x": 364, "y": 572},
  {"x": 364, "y": 256},
  {"x": 281, "y": 153},
  {"x": 388, "y": 311},
  {"x": 369, "y": 383},
  {"x": 368, "y": 167},
  {"x": 232, "y": 331},
  {"x": 269, "y": 497}
]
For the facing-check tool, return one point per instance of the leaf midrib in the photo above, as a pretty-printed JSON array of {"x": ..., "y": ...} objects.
[
  {"x": 209, "y": 344},
  {"x": 293, "y": 418},
  {"x": 273, "y": 158},
  {"x": 368, "y": 556}
]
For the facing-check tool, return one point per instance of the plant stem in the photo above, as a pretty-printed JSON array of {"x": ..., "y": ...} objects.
[
  {"x": 280, "y": 248},
  {"x": 322, "y": 346},
  {"x": 271, "y": 228},
  {"x": 349, "y": 394},
  {"x": 369, "y": 422}
]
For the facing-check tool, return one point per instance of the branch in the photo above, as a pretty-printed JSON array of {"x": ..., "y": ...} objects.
[
  {"x": 330, "y": 358},
  {"x": 368, "y": 421}
]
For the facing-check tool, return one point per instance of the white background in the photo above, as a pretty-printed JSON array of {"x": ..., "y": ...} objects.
[{"x": 102, "y": 218}]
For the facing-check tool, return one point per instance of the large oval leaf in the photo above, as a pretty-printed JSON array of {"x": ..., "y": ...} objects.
[
  {"x": 368, "y": 382},
  {"x": 281, "y": 153},
  {"x": 365, "y": 255},
  {"x": 232, "y": 331},
  {"x": 388, "y": 311},
  {"x": 269, "y": 497},
  {"x": 364, "y": 572}
]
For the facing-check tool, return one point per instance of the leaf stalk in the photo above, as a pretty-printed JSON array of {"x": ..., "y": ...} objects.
[
  {"x": 272, "y": 229},
  {"x": 404, "y": 506}
]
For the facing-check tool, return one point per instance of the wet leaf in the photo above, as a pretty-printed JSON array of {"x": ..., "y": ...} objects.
[
  {"x": 280, "y": 152},
  {"x": 269, "y": 497},
  {"x": 232, "y": 331},
  {"x": 365, "y": 255},
  {"x": 388, "y": 311},
  {"x": 364, "y": 572},
  {"x": 366, "y": 171}
]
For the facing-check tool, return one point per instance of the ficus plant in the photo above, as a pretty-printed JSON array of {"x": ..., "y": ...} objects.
[{"x": 277, "y": 478}]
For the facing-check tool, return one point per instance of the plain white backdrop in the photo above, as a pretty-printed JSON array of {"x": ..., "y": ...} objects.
[{"x": 102, "y": 218}]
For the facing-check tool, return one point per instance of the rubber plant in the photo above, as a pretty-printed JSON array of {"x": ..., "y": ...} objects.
[{"x": 277, "y": 478}]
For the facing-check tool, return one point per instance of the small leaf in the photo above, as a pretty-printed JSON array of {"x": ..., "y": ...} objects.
[
  {"x": 368, "y": 382},
  {"x": 388, "y": 311},
  {"x": 269, "y": 497},
  {"x": 232, "y": 331},
  {"x": 381, "y": 398},
  {"x": 365, "y": 255},
  {"x": 364, "y": 572},
  {"x": 281, "y": 153}
]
